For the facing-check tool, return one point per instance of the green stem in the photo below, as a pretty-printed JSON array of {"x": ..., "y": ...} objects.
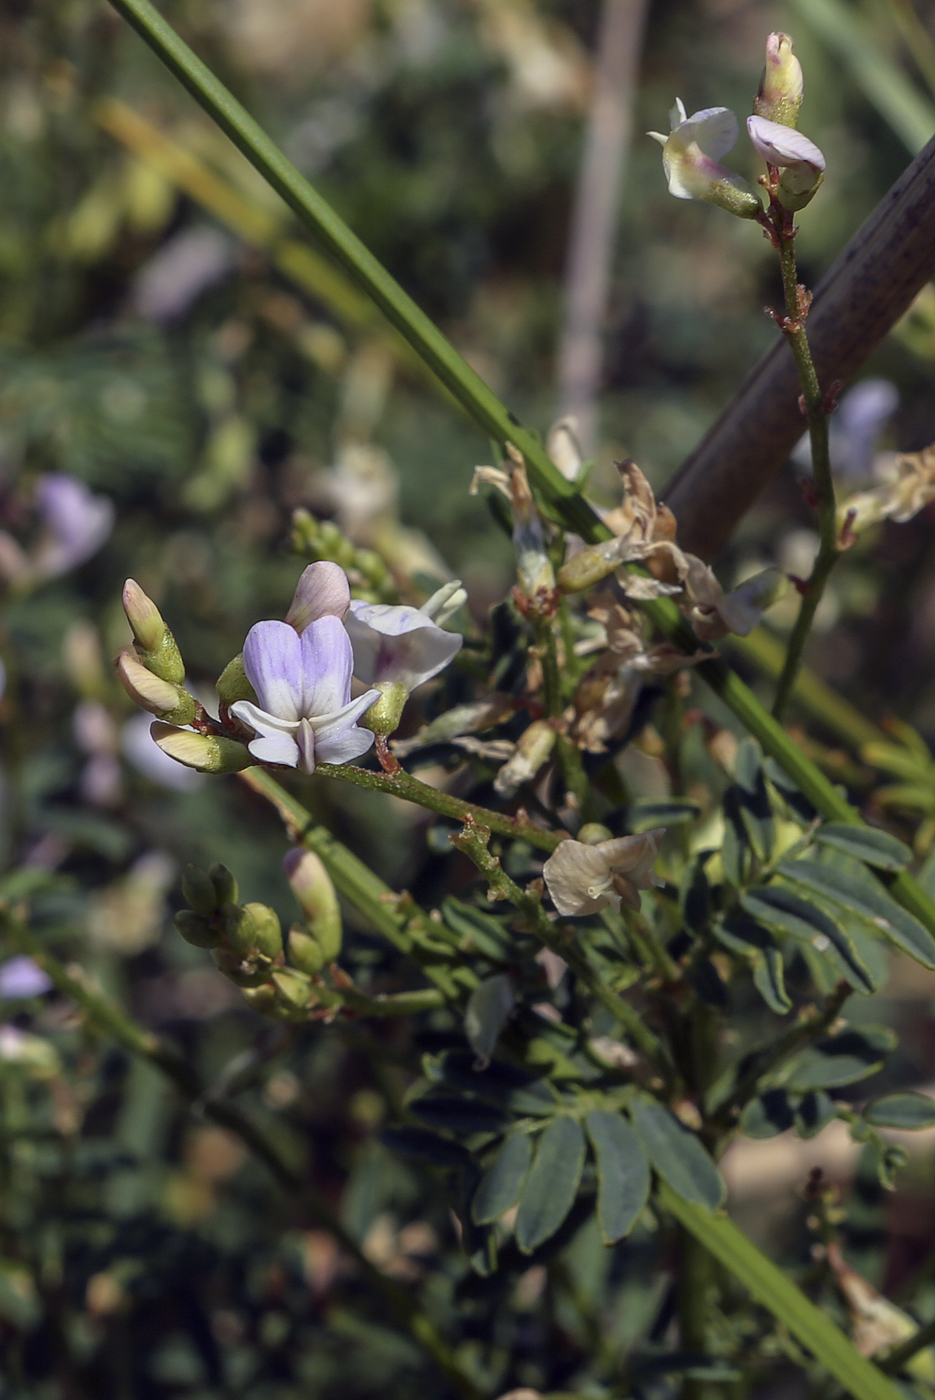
[
  {"x": 404, "y": 785},
  {"x": 568, "y": 754},
  {"x": 474, "y": 842},
  {"x": 896, "y": 1359},
  {"x": 770, "y": 1287},
  {"x": 107, "y": 1018},
  {"x": 694, "y": 1279},
  {"x": 830, "y": 709},
  {"x": 471, "y": 392},
  {"x": 817, "y": 414}
]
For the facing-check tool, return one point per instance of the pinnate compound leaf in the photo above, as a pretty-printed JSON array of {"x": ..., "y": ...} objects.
[
  {"x": 906, "y": 1110},
  {"x": 840, "y": 1059},
  {"x": 622, "y": 1173},
  {"x": 552, "y": 1183},
  {"x": 789, "y": 913},
  {"x": 866, "y": 843},
  {"x": 676, "y": 1154},
  {"x": 502, "y": 1182},
  {"x": 871, "y": 904}
]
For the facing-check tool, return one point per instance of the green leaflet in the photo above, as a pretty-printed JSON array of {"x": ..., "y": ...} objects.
[
  {"x": 769, "y": 980},
  {"x": 501, "y": 1184},
  {"x": 552, "y": 1184},
  {"x": 487, "y": 1012},
  {"x": 866, "y": 843},
  {"x": 814, "y": 1111},
  {"x": 868, "y": 902},
  {"x": 906, "y": 1110},
  {"x": 789, "y": 913},
  {"x": 425, "y": 1146},
  {"x": 644, "y": 816},
  {"x": 754, "y": 809},
  {"x": 840, "y": 1059},
  {"x": 622, "y": 1173},
  {"x": 768, "y": 1115},
  {"x": 453, "y": 1114},
  {"x": 676, "y": 1154}
]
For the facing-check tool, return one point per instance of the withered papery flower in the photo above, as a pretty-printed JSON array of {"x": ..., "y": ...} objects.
[
  {"x": 911, "y": 490},
  {"x": 582, "y": 879}
]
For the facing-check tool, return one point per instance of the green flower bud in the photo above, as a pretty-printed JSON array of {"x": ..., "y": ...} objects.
[
  {"x": 240, "y": 930},
  {"x": 196, "y": 930},
  {"x": 209, "y": 753},
  {"x": 589, "y": 566},
  {"x": 295, "y": 990},
  {"x": 233, "y": 685},
  {"x": 384, "y": 714},
  {"x": 312, "y": 887},
  {"x": 225, "y": 886},
  {"x": 156, "y": 645},
  {"x": 262, "y": 998},
  {"x": 594, "y": 832},
  {"x": 268, "y": 931},
  {"x": 242, "y": 971},
  {"x": 152, "y": 692},
  {"x": 780, "y": 94},
  {"x": 304, "y": 952},
  {"x": 199, "y": 890}
]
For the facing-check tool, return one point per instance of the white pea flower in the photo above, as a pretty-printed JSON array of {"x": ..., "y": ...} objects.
[
  {"x": 801, "y": 162},
  {"x": 402, "y": 645},
  {"x": 690, "y": 156},
  {"x": 581, "y": 879}
]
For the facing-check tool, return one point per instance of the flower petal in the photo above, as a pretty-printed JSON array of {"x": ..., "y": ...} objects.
[
  {"x": 326, "y": 667},
  {"x": 343, "y": 745},
  {"x": 322, "y": 591},
  {"x": 578, "y": 878},
  {"x": 326, "y": 726},
  {"x": 715, "y": 129},
  {"x": 398, "y": 644},
  {"x": 783, "y": 145},
  {"x": 273, "y": 661}
]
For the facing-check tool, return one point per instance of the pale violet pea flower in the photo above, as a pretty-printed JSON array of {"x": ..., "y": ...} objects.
[
  {"x": 75, "y": 524},
  {"x": 305, "y": 714},
  {"x": 690, "y": 156},
  {"x": 801, "y": 162},
  {"x": 401, "y": 645},
  {"x": 855, "y": 430},
  {"x": 21, "y": 977}
]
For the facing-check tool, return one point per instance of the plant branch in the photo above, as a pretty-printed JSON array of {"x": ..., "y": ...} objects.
[
  {"x": 110, "y": 1020},
  {"x": 896, "y": 1359}
]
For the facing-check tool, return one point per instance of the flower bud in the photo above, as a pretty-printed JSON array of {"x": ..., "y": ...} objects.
[
  {"x": 242, "y": 972},
  {"x": 206, "y": 752},
  {"x": 312, "y": 887},
  {"x": 592, "y": 833},
  {"x": 198, "y": 889},
  {"x": 240, "y": 930},
  {"x": 262, "y": 998},
  {"x": 587, "y": 567},
  {"x": 156, "y": 645},
  {"x": 384, "y": 714},
  {"x": 799, "y": 159},
  {"x": 232, "y": 684},
  {"x": 305, "y": 952},
  {"x": 225, "y": 886},
  {"x": 780, "y": 94},
  {"x": 322, "y": 591},
  {"x": 294, "y": 989},
  {"x": 152, "y": 692},
  {"x": 195, "y": 929},
  {"x": 532, "y": 750},
  {"x": 267, "y": 929}
]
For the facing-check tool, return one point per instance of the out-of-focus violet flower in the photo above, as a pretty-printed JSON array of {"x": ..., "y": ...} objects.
[
  {"x": 305, "y": 713},
  {"x": 855, "y": 429},
  {"x": 690, "y": 156},
  {"x": 184, "y": 267},
  {"x": 75, "y": 524},
  {"x": 143, "y": 753},
  {"x": 21, "y": 977},
  {"x": 401, "y": 645},
  {"x": 801, "y": 162}
]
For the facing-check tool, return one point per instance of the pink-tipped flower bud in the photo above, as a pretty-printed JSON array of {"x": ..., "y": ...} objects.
[
  {"x": 322, "y": 591},
  {"x": 780, "y": 94},
  {"x": 312, "y": 887},
  {"x": 152, "y": 692}
]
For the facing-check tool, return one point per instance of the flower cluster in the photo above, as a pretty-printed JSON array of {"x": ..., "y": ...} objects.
[
  {"x": 692, "y": 150},
  {"x": 287, "y": 700}
]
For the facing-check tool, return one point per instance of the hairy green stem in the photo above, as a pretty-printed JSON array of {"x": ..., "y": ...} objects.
[
  {"x": 816, "y": 412},
  {"x": 410, "y": 789},
  {"x": 562, "y": 496},
  {"x": 110, "y": 1020}
]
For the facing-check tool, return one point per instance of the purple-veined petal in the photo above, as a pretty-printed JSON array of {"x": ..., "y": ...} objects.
[
  {"x": 783, "y": 145},
  {"x": 322, "y": 591},
  {"x": 398, "y": 644},
  {"x": 274, "y": 662},
  {"x": 275, "y": 741},
  {"x": 327, "y": 662}
]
